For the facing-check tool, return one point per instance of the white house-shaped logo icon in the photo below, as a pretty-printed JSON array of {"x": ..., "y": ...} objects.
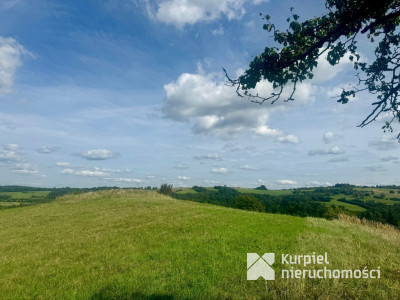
[{"x": 260, "y": 266}]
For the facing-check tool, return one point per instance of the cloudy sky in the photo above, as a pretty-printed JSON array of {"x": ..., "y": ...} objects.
[{"x": 132, "y": 93}]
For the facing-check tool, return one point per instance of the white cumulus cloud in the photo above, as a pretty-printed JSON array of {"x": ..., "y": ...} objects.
[
  {"x": 124, "y": 180},
  {"x": 317, "y": 183},
  {"x": 211, "y": 107},
  {"x": 188, "y": 12},
  {"x": 9, "y": 156},
  {"x": 11, "y": 147},
  {"x": 25, "y": 168},
  {"x": 287, "y": 182},
  {"x": 265, "y": 131},
  {"x": 329, "y": 136},
  {"x": 11, "y": 53},
  {"x": 334, "y": 150},
  {"x": 219, "y": 31},
  {"x": 90, "y": 173},
  {"x": 97, "y": 154},
  {"x": 26, "y": 171},
  {"x": 67, "y": 171},
  {"x": 288, "y": 139},
  {"x": 181, "y": 166},
  {"x": 219, "y": 170},
  {"x": 247, "y": 167},
  {"x": 207, "y": 156},
  {"x": 47, "y": 149}
]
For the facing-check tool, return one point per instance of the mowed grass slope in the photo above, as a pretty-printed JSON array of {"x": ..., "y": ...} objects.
[{"x": 138, "y": 244}]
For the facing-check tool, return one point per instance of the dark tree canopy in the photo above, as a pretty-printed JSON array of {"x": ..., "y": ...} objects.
[
  {"x": 333, "y": 36},
  {"x": 165, "y": 189},
  {"x": 249, "y": 202}
]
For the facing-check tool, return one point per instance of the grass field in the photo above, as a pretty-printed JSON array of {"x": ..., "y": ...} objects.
[
  {"x": 267, "y": 192},
  {"x": 348, "y": 206},
  {"x": 12, "y": 199},
  {"x": 138, "y": 244},
  {"x": 9, "y": 203},
  {"x": 241, "y": 190},
  {"x": 185, "y": 191},
  {"x": 26, "y": 195},
  {"x": 190, "y": 190}
]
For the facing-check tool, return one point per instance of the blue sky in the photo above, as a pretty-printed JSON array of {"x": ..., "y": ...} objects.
[{"x": 132, "y": 93}]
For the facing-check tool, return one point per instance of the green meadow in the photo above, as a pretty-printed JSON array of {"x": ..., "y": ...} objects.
[
  {"x": 135, "y": 244},
  {"x": 347, "y": 206},
  {"x": 26, "y": 195},
  {"x": 240, "y": 190},
  {"x": 14, "y": 199},
  {"x": 266, "y": 192}
]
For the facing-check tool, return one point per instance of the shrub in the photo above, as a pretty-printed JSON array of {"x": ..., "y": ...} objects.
[
  {"x": 165, "y": 189},
  {"x": 261, "y": 187},
  {"x": 199, "y": 189},
  {"x": 249, "y": 202},
  {"x": 332, "y": 213}
]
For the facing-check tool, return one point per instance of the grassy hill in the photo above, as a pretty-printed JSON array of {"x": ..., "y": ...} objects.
[{"x": 132, "y": 244}]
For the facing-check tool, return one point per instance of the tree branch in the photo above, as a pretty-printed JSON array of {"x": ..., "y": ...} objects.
[{"x": 385, "y": 19}]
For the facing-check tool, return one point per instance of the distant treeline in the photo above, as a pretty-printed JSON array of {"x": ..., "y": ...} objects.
[
  {"x": 303, "y": 202},
  {"x": 40, "y": 197},
  {"x": 388, "y": 214},
  {"x": 21, "y": 189},
  {"x": 57, "y": 192}
]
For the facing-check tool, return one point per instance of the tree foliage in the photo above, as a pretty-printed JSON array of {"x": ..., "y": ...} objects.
[
  {"x": 311, "y": 202},
  {"x": 333, "y": 36},
  {"x": 165, "y": 189},
  {"x": 261, "y": 187},
  {"x": 249, "y": 202}
]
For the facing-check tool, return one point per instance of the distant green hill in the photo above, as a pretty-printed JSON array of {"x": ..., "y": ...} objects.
[
  {"x": 380, "y": 203},
  {"x": 132, "y": 244}
]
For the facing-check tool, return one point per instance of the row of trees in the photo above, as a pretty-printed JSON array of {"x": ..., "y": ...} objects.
[
  {"x": 298, "y": 205},
  {"x": 302, "y": 202},
  {"x": 383, "y": 213}
]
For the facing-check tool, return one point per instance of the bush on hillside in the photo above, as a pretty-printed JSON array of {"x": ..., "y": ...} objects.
[
  {"x": 261, "y": 187},
  {"x": 332, "y": 212},
  {"x": 199, "y": 189},
  {"x": 249, "y": 202},
  {"x": 165, "y": 189}
]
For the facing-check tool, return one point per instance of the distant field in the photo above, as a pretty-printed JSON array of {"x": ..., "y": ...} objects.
[
  {"x": 377, "y": 192},
  {"x": 26, "y": 195},
  {"x": 347, "y": 206},
  {"x": 241, "y": 190},
  {"x": 126, "y": 244},
  {"x": 8, "y": 199},
  {"x": 267, "y": 192},
  {"x": 385, "y": 200},
  {"x": 185, "y": 191},
  {"x": 190, "y": 190},
  {"x": 9, "y": 203},
  {"x": 367, "y": 195}
]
